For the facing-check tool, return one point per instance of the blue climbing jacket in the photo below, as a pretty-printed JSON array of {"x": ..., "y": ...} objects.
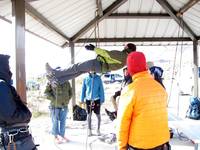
[{"x": 92, "y": 88}]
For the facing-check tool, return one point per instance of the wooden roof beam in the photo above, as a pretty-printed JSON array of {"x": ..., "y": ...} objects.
[
  {"x": 187, "y": 7},
  {"x": 99, "y": 8},
  {"x": 142, "y": 39},
  {"x": 138, "y": 16},
  {"x": 92, "y": 23},
  {"x": 39, "y": 17},
  {"x": 168, "y": 8}
]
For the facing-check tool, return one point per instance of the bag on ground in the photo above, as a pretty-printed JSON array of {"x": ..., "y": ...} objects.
[
  {"x": 79, "y": 113},
  {"x": 193, "y": 111}
]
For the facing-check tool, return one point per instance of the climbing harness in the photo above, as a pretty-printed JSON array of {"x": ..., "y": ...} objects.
[{"x": 9, "y": 138}]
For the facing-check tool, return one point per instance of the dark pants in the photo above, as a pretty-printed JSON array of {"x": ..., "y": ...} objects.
[
  {"x": 165, "y": 146},
  {"x": 93, "y": 106}
]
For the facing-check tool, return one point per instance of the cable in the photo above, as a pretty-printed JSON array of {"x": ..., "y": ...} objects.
[
  {"x": 173, "y": 71},
  {"x": 180, "y": 63}
]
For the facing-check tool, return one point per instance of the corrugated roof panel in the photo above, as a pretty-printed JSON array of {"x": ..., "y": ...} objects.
[
  {"x": 132, "y": 28},
  {"x": 177, "y": 4},
  {"x": 112, "y": 28},
  {"x": 43, "y": 31},
  {"x": 70, "y": 16},
  {"x": 5, "y": 9},
  {"x": 73, "y": 15},
  {"x": 140, "y": 6},
  {"x": 141, "y": 26},
  {"x": 106, "y": 3},
  {"x": 192, "y": 18}
]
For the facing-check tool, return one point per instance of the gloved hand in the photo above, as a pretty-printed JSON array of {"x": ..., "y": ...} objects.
[{"x": 90, "y": 47}]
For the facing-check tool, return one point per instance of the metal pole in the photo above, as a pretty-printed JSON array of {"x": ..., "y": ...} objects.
[
  {"x": 18, "y": 23},
  {"x": 195, "y": 62},
  {"x": 71, "y": 44}
]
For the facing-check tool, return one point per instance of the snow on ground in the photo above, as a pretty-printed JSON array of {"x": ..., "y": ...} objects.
[{"x": 76, "y": 131}]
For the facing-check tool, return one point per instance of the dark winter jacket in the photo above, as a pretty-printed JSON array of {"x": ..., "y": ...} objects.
[{"x": 12, "y": 109}]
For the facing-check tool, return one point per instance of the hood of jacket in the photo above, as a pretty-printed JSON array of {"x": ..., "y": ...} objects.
[{"x": 5, "y": 72}]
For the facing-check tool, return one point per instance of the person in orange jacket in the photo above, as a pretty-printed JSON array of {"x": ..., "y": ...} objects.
[{"x": 142, "y": 108}]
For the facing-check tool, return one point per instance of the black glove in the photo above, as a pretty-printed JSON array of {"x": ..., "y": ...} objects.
[{"x": 90, "y": 47}]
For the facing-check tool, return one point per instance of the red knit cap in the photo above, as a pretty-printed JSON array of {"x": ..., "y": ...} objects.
[{"x": 136, "y": 62}]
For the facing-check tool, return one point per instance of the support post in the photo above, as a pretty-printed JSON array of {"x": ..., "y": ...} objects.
[
  {"x": 196, "y": 68},
  {"x": 18, "y": 23},
  {"x": 71, "y": 44}
]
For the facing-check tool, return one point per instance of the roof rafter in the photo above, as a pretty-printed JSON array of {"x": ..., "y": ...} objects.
[
  {"x": 142, "y": 39},
  {"x": 168, "y": 8},
  {"x": 92, "y": 23},
  {"x": 187, "y": 6},
  {"x": 39, "y": 17},
  {"x": 99, "y": 8},
  {"x": 138, "y": 16}
]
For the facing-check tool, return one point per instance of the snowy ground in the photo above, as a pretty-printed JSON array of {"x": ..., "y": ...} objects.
[{"x": 76, "y": 131}]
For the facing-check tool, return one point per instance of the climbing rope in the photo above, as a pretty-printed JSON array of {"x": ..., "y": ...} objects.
[
  {"x": 180, "y": 67},
  {"x": 173, "y": 70},
  {"x": 96, "y": 30}
]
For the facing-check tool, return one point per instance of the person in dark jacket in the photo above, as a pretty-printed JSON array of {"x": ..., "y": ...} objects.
[
  {"x": 14, "y": 114},
  {"x": 127, "y": 80},
  {"x": 104, "y": 62},
  {"x": 59, "y": 95},
  {"x": 157, "y": 73}
]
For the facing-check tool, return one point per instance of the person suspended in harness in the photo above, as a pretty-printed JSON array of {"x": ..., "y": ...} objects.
[
  {"x": 59, "y": 95},
  {"x": 127, "y": 80},
  {"x": 93, "y": 95},
  {"x": 104, "y": 62},
  {"x": 14, "y": 114}
]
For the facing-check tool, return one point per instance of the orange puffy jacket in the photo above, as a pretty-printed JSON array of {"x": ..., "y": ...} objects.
[{"x": 142, "y": 114}]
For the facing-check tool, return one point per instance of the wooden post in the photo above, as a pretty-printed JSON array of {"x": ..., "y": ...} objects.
[
  {"x": 196, "y": 68},
  {"x": 71, "y": 44},
  {"x": 18, "y": 23}
]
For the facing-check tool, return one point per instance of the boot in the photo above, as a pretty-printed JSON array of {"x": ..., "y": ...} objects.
[
  {"x": 89, "y": 132},
  {"x": 49, "y": 69},
  {"x": 112, "y": 115},
  {"x": 98, "y": 132}
]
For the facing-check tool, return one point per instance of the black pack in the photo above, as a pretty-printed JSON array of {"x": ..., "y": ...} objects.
[
  {"x": 79, "y": 113},
  {"x": 193, "y": 111}
]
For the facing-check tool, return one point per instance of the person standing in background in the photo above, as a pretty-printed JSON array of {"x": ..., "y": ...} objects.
[
  {"x": 93, "y": 95},
  {"x": 59, "y": 95}
]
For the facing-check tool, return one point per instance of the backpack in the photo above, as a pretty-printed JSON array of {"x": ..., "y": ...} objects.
[
  {"x": 193, "y": 111},
  {"x": 79, "y": 113}
]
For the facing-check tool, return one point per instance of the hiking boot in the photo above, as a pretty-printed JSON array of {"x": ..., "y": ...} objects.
[
  {"x": 49, "y": 69},
  {"x": 89, "y": 132},
  {"x": 112, "y": 115},
  {"x": 98, "y": 132}
]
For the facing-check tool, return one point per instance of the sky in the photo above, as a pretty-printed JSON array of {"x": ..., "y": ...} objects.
[{"x": 39, "y": 51}]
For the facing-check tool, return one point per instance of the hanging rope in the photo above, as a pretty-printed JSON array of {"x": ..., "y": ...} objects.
[
  {"x": 96, "y": 30},
  {"x": 173, "y": 70},
  {"x": 180, "y": 67},
  {"x": 174, "y": 64}
]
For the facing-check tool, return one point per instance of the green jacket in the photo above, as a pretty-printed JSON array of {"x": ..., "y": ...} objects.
[
  {"x": 111, "y": 60},
  {"x": 59, "y": 95}
]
